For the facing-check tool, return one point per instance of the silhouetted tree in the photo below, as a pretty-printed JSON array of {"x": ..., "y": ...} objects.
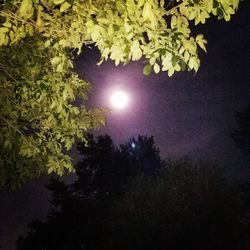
[
  {"x": 105, "y": 170},
  {"x": 241, "y": 134},
  {"x": 192, "y": 207},
  {"x": 82, "y": 209},
  {"x": 127, "y": 198}
]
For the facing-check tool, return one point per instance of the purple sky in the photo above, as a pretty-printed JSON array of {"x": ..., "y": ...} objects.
[{"x": 187, "y": 114}]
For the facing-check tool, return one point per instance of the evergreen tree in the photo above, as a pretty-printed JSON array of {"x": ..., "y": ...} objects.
[{"x": 82, "y": 210}]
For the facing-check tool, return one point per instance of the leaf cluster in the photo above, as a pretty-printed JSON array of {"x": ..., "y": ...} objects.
[{"x": 39, "y": 117}]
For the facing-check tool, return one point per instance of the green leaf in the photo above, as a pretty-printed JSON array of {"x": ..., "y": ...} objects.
[
  {"x": 193, "y": 63},
  {"x": 183, "y": 65},
  {"x": 147, "y": 11},
  {"x": 65, "y": 6},
  {"x": 156, "y": 68},
  {"x": 2, "y": 39},
  {"x": 59, "y": 68},
  {"x": 147, "y": 70},
  {"x": 47, "y": 44},
  {"x": 136, "y": 51},
  {"x": 50, "y": 170},
  {"x": 55, "y": 60},
  {"x": 63, "y": 42},
  {"x": 116, "y": 27},
  {"x": 170, "y": 71},
  {"x": 186, "y": 56},
  {"x": 95, "y": 33},
  {"x": 173, "y": 21},
  {"x": 7, "y": 25},
  {"x": 3, "y": 30},
  {"x": 201, "y": 41},
  {"x": 140, "y": 3},
  {"x": 26, "y": 9},
  {"x": 58, "y": 1}
]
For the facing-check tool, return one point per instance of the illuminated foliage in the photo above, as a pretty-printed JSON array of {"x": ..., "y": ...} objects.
[{"x": 39, "y": 119}]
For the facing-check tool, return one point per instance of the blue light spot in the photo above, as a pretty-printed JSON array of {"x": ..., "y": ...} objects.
[{"x": 133, "y": 145}]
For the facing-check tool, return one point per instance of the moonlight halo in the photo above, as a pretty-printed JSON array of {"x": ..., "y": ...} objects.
[{"x": 119, "y": 99}]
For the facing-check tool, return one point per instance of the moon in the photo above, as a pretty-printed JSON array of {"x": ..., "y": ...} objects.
[{"x": 119, "y": 99}]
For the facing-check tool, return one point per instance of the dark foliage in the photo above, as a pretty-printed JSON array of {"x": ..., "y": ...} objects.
[
  {"x": 127, "y": 198},
  {"x": 82, "y": 210},
  {"x": 241, "y": 135},
  {"x": 192, "y": 207}
]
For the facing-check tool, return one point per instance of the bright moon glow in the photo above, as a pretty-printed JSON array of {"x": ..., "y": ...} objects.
[{"x": 119, "y": 99}]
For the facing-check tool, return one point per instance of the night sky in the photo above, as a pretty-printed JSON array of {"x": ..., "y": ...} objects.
[{"x": 188, "y": 115}]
